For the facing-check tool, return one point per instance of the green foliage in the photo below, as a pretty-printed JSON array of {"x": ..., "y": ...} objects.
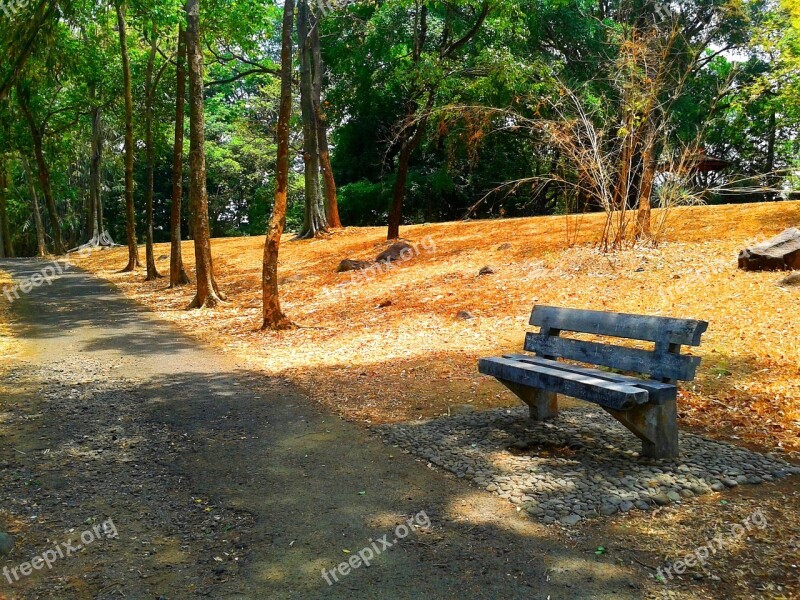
[{"x": 515, "y": 70}]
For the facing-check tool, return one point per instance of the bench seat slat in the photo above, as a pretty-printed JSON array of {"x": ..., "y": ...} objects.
[
  {"x": 662, "y": 366},
  {"x": 685, "y": 332},
  {"x": 614, "y": 395},
  {"x": 658, "y": 392}
]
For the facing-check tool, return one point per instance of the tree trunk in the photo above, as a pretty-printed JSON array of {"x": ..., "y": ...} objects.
[
  {"x": 177, "y": 274},
  {"x": 646, "y": 193},
  {"x": 5, "y": 230},
  {"x": 150, "y": 152},
  {"x": 44, "y": 173},
  {"x": 399, "y": 191},
  {"x": 315, "y": 221},
  {"x": 95, "y": 229},
  {"x": 91, "y": 210},
  {"x": 772, "y": 179},
  {"x": 408, "y": 142},
  {"x": 95, "y": 177},
  {"x": 2, "y": 237},
  {"x": 273, "y": 316},
  {"x": 328, "y": 180},
  {"x": 622, "y": 190},
  {"x": 403, "y": 166},
  {"x": 208, "y": 295},
  {"x": 130, "y": 211},
  {"x": 41, "y": 247}
]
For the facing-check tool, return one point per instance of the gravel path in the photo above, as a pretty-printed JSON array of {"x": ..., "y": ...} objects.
[
  {"x": 225, "y": 484},
  {"x": 582, "y": 465}
]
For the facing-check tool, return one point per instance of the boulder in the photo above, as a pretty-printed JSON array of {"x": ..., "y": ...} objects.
[
  {"x": 792, "y": 280},
  {"x": 464, "y": 315},
  {"x": 398, "y": 250},
  {"x": 6, "y": 543},
  {"x": 352, "y": 265},
  {"x": 780, "y": 253},
  {"x": 487, "y": 270}
]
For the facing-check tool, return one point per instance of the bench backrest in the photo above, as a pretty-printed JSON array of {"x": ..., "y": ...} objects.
[{"x": 664, "y": 362}]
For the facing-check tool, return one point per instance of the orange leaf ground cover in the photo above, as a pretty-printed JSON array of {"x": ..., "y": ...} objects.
[
  {"x": 390, "y": 347},
  {"x": 6, "y": 343}
]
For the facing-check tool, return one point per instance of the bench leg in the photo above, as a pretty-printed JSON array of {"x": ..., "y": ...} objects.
[
  {"x": 543, "y": 404},
  {"x": 655, "y": 424}
]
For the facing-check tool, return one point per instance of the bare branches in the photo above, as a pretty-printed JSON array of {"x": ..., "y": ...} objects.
[{"x": 448, "y": 51}]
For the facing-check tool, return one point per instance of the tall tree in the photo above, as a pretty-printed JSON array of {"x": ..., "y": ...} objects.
[
  {"x": 422, "y": 96},
  {"x": 315, "y": 215},
  {"x": 177, "y": 274},
  {"x": 37, "y": 134},
  {"x": 98, "y": 236},
  {"x": 130, "y": 209},
  {"x": 208, "y": 294},
  {"x": 5, "y": 231},
  {"x": 41, "y": 247},
  {"x": 272, "y": 313},
  {"x": 328, "y": 179},
  {"x": 151, "y": 84}
]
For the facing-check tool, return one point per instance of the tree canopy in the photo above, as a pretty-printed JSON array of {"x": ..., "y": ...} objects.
[{"x": 402, "y": 112}]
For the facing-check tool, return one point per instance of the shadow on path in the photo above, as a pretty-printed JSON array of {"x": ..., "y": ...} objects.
[{"x": 226, "y": 484}]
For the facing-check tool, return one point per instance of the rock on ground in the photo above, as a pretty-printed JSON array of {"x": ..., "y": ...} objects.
[
  {"x": 398, "y": 250},
  {"x": 792, "y": 280},
  {"x": 6, "y": 543},
  {"x": 780, "y": 253},
  {"x": 349, "y": 264}
]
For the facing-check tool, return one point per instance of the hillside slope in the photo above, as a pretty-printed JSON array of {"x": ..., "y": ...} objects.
[{"x": 391, "y": 346}]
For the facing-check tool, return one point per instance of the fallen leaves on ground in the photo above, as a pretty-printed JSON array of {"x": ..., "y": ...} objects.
[{"x": 387, "y": 345}]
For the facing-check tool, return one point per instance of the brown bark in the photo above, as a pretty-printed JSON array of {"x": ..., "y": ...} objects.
[
  {"x": 771, "y": 137},
  {"x": 273, "y": 316},
  {"x": 44, "y": 173},
  {"x": 399, "y": 191},
  {"x": 95, "y": 176},
  {"x": 41, "y": 247},
  {"x": 95, "y": 229},
  {"x": 622, "y": 189},
  {"x": 208, "y": 294},
  {"x": 315, "y": 219},
  {"x": 328, "y": 179},
  {"x": 772, "y": 179},
  {"x": 150, "y": 259},
  {"x": 91, "y": 212},
  {"x": 177, "y": 274},
  {"x": 130, "y": 211},
  {"x": 645, "y": 193},
  {"x": 5, "y": 230},
  {"x": 403, "y": 166}
]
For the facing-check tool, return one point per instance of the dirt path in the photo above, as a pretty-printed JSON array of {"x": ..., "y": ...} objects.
[{"x": 223, "y": 484}]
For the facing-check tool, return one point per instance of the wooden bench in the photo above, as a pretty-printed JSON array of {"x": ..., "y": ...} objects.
[{"x": 648, "y": 407}]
